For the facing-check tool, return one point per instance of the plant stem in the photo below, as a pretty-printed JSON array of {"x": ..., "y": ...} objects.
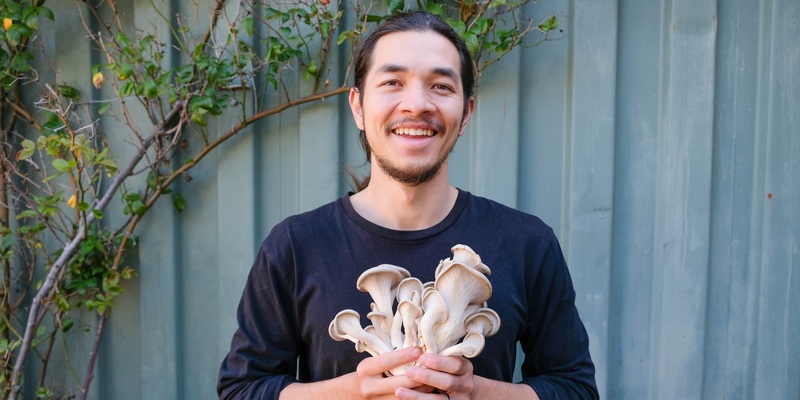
[{"x": 101, "y": 323}]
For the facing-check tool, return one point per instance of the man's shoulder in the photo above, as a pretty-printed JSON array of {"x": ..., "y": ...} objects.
[
  {"x": 511, "y": 217},
  {"x": 321, "y": 215}
]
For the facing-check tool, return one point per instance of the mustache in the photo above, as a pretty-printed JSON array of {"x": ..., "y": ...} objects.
[{"x": 436, "y": 126}]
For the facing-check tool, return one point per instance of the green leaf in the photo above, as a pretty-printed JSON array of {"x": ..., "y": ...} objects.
[
  {"x": 139, "y": 207},
  {"x": 32, "y": 21},
  {"x": 62, "y": 165},
  {"x": 185, "y": 74},
  {"x": 178, "y": 201},
  {"x": 342, "y": 37},
  {"x": 132, "y": 196},
  {"x": 435, "y": 8},
  {"x": 97, "y": 214},
  {"x": 26, "y": 214},
  {"x": 151, "y": 90},
  {"x": 271, "y": 13},
  {"x": 549, "y": 24},
  {"x": 47, "y": 13},
  {"x": 103, "y": 108},
  {"x": 396, "y": 5},
  {"x": 21, "y": 62},
  {"x": 66, "y": 324},
  {"x": 127, "y": 89},
  {"x": 28, "y": 148},
  {"x": 124, "y": 71},
  {"x": 68, "y": 91},
  {"x": 110, "y": 165},
  {"x": 249, "y": 27},
  {"x": 473, "y": 45}
]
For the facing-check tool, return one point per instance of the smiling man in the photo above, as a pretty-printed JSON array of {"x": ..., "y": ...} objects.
[{"x": 412, "y": 98}]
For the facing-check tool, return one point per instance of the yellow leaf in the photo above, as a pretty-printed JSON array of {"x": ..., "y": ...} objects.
[
  {"x": 73, "y": 201},
  {"x": 97, "y": 80},
  {"x": 7, "y": 22}
]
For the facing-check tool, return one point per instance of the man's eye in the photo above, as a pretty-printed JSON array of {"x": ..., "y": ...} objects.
[
  {"x": 391, "y": 83},
  {"x": 442, "y": 86}
]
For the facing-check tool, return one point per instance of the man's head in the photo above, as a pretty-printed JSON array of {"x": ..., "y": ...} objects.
[
  {"x": 422, "y": 29},
  {"x": 414, "y": 21}
]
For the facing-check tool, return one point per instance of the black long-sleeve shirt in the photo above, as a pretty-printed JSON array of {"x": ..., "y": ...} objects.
[{"x": 306, "y": 272}]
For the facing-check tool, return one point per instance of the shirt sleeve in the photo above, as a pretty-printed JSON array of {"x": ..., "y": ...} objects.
[
  {"x": 557, "y": 363},
  {"x": 263, "y": 357}
]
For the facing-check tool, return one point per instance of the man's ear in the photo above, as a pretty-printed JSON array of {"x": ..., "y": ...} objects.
[
  {"x": 355, "y": 107},
  {"x": 468, "y": 114}
]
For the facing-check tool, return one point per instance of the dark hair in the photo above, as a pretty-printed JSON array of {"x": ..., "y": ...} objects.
[{"x": 401, "y": 22}]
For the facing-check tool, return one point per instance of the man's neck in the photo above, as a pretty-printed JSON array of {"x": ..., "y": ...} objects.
[{"x": 394, "y": 205}]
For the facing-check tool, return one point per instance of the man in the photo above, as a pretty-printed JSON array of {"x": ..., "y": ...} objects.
[{"x": 412, "y": 99}]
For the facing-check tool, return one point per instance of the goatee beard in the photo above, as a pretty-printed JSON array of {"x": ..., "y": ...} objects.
[{"x": 411, "y": 176}]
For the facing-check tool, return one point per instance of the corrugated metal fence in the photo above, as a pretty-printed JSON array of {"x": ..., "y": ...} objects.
[{"x": 660, "y": 139}]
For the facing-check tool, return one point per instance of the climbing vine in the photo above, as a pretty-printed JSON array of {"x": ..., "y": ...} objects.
[{"x": 62, "y": 250}]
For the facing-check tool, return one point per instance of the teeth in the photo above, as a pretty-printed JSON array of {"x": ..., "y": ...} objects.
[{"x": 414, "y": 132}]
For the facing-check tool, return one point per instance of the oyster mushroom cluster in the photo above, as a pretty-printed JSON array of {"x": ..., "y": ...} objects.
[{"x": 448, "y": 316}]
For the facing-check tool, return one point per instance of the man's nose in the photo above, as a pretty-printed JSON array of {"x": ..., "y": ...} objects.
[{"x": 416, "y": 99}]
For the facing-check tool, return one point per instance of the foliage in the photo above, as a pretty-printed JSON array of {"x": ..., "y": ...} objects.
[{"x": 59, "y": 171}]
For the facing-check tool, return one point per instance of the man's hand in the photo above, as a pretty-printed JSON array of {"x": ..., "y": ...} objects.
[
  {"x": 370, "y": 382},
  {"x": 451, "y": 375},
  {"x": 367, "y": 382}
]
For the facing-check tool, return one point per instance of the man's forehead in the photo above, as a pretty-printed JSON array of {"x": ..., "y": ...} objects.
[{"x": 394, "y": 51}]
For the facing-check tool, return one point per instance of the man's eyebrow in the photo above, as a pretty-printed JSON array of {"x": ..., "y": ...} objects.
[
  {"x": 392, "y": 68},
  {"x": 446, "y": 72},
  {"x": 441, "y": 71}
]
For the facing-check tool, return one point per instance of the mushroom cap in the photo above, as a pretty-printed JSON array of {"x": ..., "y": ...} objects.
[
  {"x": 460, "y": 283},
  {"x": 484, "y": 321},
  {"x": 407, "y": 287},
  {"x": 470, "y": 347},
  {"x": 346, "y": 325},
  {"x": 383, "y": 273},
  {"x": 465, "y": 255},
  {"x": 381, "y": 282},
  {"x": 409, "y": 313},
  {"x": 338, "y": 329}
]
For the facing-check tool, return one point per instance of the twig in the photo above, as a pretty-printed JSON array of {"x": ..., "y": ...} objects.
[{"x": 101, "y": 323}]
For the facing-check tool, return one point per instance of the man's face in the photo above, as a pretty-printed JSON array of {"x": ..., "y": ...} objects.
[{"x": 413, "y": 104}]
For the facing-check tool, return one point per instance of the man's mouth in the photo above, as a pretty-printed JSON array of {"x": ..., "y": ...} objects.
[{"x": 414, "y": 132}]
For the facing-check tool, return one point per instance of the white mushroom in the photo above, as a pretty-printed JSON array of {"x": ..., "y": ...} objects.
[
  {"x": 347, "y": 326},
  {"x": 448, "y": 316},
  {"x": 484, "y": 321},
  {"x": 378, "y": 319},
  {"x": 470, "y": 347},
  {"x": 465, "y": 255},
  {"x": 435, "y": 314},
  {"x": 410, "y": 314},
  {"x": 463, "y": 289},
  {"x": 409, "y": 289},
  {"x": 380, "y": 282}
]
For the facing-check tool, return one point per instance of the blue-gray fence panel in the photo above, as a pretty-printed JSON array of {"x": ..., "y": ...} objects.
[{"x": 659, "y": 139}]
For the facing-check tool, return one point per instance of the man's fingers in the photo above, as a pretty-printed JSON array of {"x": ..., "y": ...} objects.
[
  {"x": 451, "y": 365},
  {"x": 451, "y": 374},
  {"x": 385, "y": 362}
]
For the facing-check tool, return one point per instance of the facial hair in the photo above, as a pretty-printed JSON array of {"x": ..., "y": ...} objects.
[{"x": 414, "y": 176}]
